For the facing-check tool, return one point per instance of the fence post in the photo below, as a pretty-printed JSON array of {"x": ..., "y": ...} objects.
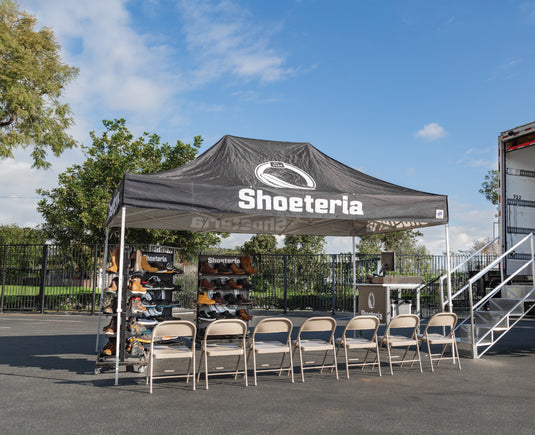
[
  {"x": 95, "y": 259},
  {"x": 42, "y": 285},
  {"x": 3, "y": 279},
  {"x": 285, "y": 284},
  {"x": 334, "y": 284}
]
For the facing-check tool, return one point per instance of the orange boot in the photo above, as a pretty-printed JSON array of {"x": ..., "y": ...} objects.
[
  {"x": 246, "y": 265},
  {"x": 146, "y": 266},
  {"x": 114, "y": 260},
  {"x": 136, "y": 287}
]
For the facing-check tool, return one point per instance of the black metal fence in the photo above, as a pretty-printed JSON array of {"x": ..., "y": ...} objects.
[{"x": 58, "y": 278}]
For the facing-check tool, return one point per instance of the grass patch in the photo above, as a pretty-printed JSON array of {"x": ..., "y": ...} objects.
[{"x": 21, "y": 290}]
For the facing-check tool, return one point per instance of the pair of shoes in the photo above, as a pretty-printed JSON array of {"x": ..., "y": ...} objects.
[
  {"x": 136, "y": 287},
  {"x": 207, "y": 316},
  {"x": 111, "y": 328},
  {"x": 244, "y": 282},
  {"x": 112, "y": 288},
  {"x": 219, "y": 299},
  {"x": 246, "y": 265},
  {"x": 114, "y": 260},
  {"x": 236, "y": 270},
  {"x": 223, "y": 269},
  {"x": 243, "y": 300},
  {"x": 242, "y": 314},
  {"x": 231, "y": 299},
  {"x": 231, "y": 284},
  {"x": 109, "y": 349},
  {"x": 207, "y": 269},
  {"x": 203, "y": 299}
]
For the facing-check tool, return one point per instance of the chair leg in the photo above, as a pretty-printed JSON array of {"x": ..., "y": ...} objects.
[
  {"x": 430, "y": 356},
  {"x": 419, "y": 357},
  {"x": 206, "y": 369},
  {"x": 301, "y": 362},
  {"x": 254, "y": 364},
  {"x": 457, "y": 351},
  {"x": 335, "y": 362},
  {"x": 200, "y": 365},
  {"x": 282, "y": 363},
  {"x": 291, "y": 369},
  {"x": 237, "y": 367},
  {"x": 377, "y": 358},
  {"x": 245, "y": 365},
  {"x": 323, "y": 362},
  {"x": 389, "y": 359},
  {"x": 347, "y": 362},
  {"x": 193, "y": 369}
]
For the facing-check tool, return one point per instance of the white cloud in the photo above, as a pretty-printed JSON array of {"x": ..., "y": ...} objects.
[{"x": 431, "y": 132}]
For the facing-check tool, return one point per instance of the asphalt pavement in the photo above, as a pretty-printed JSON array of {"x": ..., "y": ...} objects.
[{"x": 48, "y": 385}]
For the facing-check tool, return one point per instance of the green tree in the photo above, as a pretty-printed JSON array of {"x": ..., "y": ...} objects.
[
  {"x": 76, "y": 210},
  {"x": 32, "y": 80},
  {"x": 15, "y": 235},
  {"x": 304, "y": 244},
  {"x": 489, "y": 187},
  {"x": 400, "y": 242},
  {"x": 260, "y": 244}
]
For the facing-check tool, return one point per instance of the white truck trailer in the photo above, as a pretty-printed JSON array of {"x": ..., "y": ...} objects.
[{"x": 516, "y": 167}]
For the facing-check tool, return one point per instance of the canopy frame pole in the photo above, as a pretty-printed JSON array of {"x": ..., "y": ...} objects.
[
  {"x": 102, "y": 284},
  {"x": 353, "y": 260},
  {"x": 119, "y": 295},
  {"x": 448, "y": 267}
]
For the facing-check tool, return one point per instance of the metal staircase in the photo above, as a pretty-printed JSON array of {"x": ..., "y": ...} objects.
[{"x": 489, "y": 318}]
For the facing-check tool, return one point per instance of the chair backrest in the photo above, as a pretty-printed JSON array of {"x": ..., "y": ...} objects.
[
  {"x": 362, "y": 323},
  {"x": 226, "y": 327},
  {"x": 318, "y": 324},
  {"x": 273, "y": 325},
  {"x": 403, "y": 321},
  {"x": 443, "y": 319},
  {"x": 174, "y": 329}
]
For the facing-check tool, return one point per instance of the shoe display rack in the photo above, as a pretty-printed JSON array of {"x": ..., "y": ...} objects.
[
  {"x": 147, "y": 299},
  {"x": 223, "y": 290}
]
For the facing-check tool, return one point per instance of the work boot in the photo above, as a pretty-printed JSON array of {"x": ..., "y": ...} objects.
[
  {"x": 111, "y": 328},
  {"x": 242, "y": 314},
  {"x": 206, "y": 269},
  {"x": 111, "y": 308},
  {"x": 112, "y": 288},
  {"x": 114, "y": 260},
  {"x": 135, "y": 328},
  {"x": 136, "y": 287},
  {"x": 109, "y": 349},
  {"x": 218, "y": 299},
  {"x": 243, "y": 300},
  {"x": 245, "y": 284},
  {"x": 135, "y": 307},
  {"x": 246, "y": 265},
  {"x": 236, "y": 270},
  {"x": 231, "y": 299},
  {"x": 203, "y": 299},
  {"x": 146, "y": 266},
  {"x": 218, "y": 283},
  {"x": 134, "y": 347},
  {"x": 232, "y": 284},
  {"x": 206, "y": 284},
  {"x": 223, "y": 269}
]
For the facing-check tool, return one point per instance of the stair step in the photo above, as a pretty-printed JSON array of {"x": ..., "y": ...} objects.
[
  {"x": 506, "y": 304},
  {"x": 517, "y": 291},
  {"x": 497, "y": 319}
]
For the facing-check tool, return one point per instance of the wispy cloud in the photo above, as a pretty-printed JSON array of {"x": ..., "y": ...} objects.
[{"x": 431, "y": 132}]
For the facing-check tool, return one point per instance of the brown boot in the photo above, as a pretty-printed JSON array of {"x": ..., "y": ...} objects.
[
  {"x": 232, "y": 284},
  {"x": 111, "y": 328},
  {"x": 246, "y": 265},
  {"x": 206, "y": 284},
  {"x": 109, "y": 349},
  {"x": 206, "y": 269},
  {"x": 112, "y": 288},
  {"x": 136, "y": 287},
  {"x": 146, "y": 266},
  {"x": 236, "y": 270},
  {"x": 114, "y": 260}
]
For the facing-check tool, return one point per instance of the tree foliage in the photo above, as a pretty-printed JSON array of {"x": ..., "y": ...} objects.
[
  {"x": 260, "y": 244},
  {"x": 76, "y": 210},
  {"x": 15, "y": 235},
  {"x": 490, "y": 186},
  {"x": 400, "y": 242},
  {"x": 32, "y": 80},
  {"x": 304, "y": 244}
]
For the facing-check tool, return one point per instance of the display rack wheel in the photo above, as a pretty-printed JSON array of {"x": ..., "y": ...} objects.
[
  {"x": 97, "y": 371},
  {"x": 141, "y": 369}
]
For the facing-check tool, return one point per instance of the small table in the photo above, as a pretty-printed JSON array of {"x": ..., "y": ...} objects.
[{"x": 374, "y": 299}]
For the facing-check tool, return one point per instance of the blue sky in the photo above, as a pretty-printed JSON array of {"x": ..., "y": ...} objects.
[{"x": 413, "y": 92}]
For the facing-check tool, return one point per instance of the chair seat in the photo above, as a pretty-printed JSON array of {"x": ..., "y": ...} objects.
[
  {"x": 356, "y": 343},
  {"x": 310, "y": 345},
  {"x": 400, "y": 340},
  {"x": 436, "y": 339},
  {"x": 223, "y": 349},
  {"x": 161, "y": 352},
  {"x": 270, "y": 347}
]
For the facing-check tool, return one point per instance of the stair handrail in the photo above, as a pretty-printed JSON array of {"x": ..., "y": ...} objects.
[{"x": 443, "y": 277}]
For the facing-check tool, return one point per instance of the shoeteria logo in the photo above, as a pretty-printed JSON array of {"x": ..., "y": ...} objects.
[{"x": 273, "y": 174}]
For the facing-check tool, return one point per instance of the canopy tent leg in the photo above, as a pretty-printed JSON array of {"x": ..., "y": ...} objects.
[
  {"x": 119, "y": 295},
  {"x": 448, "y": 268},
  {"x": 102, "y": 284},
  {"x": 353, "y": 259}
]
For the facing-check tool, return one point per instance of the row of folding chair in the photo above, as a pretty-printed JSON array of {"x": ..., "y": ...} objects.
[{"x": 316, "y": 335}]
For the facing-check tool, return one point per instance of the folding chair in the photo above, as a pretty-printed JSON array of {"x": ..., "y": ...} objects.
[
  {"x": 446, "y": 322},
  {"x": 401, "y": 332},
  {"x": 162, "y": 347},
  {"x": 360, "y": 324},
  {"x": 267, "y": 328},
  {"x": 305, "y": 343},
  {"x": 224, "y": 329}
]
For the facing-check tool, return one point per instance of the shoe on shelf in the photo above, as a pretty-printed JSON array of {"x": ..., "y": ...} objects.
[
  {"x": 204, "y": 283},
  {"x": 135, "y": 307},
  {"x": 242, "y": 314},
  {"x": 114, "y": 260},
  {"x": 236, "y": 270},
  {"x": 111, "y": 308},
  {"x": 203, "y": 299},
  {"x": 207, "y": 317},
  {"x": 135, "y": 328},
  {"x": 218, "y": 283},
  {"x": 207, "y": 269},
  {"x": 231, "y": 284},
  {"x": 218, "y": 298},
  {"x": 109, "y": 349},
  {"x": 231, "y": 299},
  {"x": 112, "y": 288},
  {"x": 245, "y": 284},
  {"x": 111, "y": 328},
  {"x": 136, "y": 287},
  {"x": 243, "y": 300},
  {"x": 223, "y": 269},
  {"x": 134, "y": 347},
  {"x": 246, "y": 265},
  {"x": 146, "y": 266}
]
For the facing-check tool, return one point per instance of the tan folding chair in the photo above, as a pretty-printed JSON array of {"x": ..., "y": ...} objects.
[
  {"x": 401, "y": 331},
  {"x": 306, "y": 342},
  {"x": 266, "y": 328},
  {"x": 360, "y": 324},
  {"x": 163, "y": 347},
  {"x": 224, "y": 330},
  {"x": 446, "y": 323}
]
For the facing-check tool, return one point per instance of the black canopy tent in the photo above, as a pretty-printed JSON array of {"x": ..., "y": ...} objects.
[{"x": 254, "y": 186}]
